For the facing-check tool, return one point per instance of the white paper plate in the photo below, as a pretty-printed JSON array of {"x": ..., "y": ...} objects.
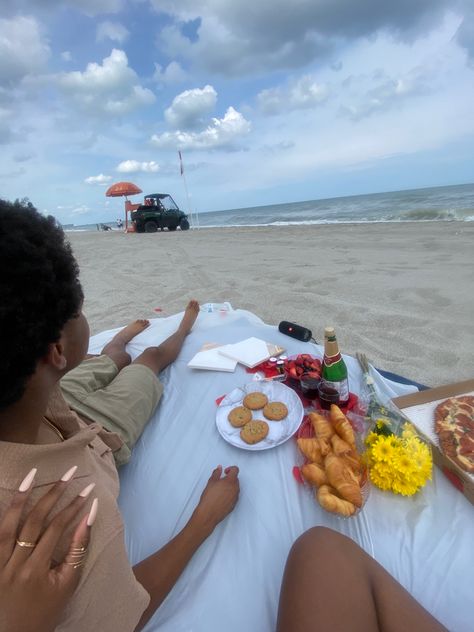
[{"x": 280, "y": 431}]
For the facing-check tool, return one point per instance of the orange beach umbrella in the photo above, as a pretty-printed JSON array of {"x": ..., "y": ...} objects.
[
  {"x": 120, "y": 189},
  {"x": 123, "y": 189}
]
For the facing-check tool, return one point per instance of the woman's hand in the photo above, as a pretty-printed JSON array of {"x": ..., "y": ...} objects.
[
  {"x": 33, "y": 595},
  {"x": 218, "y": 498}
]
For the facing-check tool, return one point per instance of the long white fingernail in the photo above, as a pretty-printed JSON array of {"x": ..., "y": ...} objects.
[
  {"x": 93, "y": 512},
  {"x": 69, "y": 474},
  {"x": 26, "y": 482},
  {"x": 87, "y": 490}
]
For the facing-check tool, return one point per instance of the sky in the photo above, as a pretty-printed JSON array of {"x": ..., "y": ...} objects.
[{"x": 269, "y": 101}]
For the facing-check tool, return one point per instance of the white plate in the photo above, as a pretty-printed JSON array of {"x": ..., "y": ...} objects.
[{"x": 280, "y": 431}]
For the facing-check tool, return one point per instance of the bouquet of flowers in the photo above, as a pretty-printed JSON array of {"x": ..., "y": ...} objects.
[{"x": 399, "y": 460}]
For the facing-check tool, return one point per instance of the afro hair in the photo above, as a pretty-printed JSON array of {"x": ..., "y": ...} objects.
[{"x": 40, "y": 291}]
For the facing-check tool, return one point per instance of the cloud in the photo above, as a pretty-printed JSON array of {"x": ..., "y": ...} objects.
[
  {"x": 11, "y": 175},
  {"x": 22, "y": 49},
  {"x": 189, "y": 108},
  {"x": 113, "y": 31},
  {"x": 277, "y": 148},
  {"x": 134, "y": 166},
  {"x": 111, "y": 88},
  {"x": 80, "y": 210},
  {"x": 303, "y": 94},
  {"x": 173, "y": 73},
  {"x": 66, "y": 55},
  {"x": 219, "y": 50},
  {"x": 96, "y": 7},
  {"x": 6, "y": 122},
  {"x": 101, "y": 179},
  {"x": 245, "y": 36},
  {"x": 23, "y": 157},
  {"x": 89, "y": 7},
  {"x": 388, "y": 93},
  {"x": 465, "y": 34},
  {"x": 219, "y": 133}
]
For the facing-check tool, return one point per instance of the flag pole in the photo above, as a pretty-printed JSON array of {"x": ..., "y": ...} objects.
[{"x": 181, "y": 168}]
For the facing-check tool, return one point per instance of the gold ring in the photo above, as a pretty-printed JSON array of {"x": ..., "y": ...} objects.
[
  {"x": 75, "y": 564},
  {"x": 27, "y": 545}
]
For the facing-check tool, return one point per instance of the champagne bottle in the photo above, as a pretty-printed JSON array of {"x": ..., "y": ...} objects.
[{"x": 334, "y": 370}]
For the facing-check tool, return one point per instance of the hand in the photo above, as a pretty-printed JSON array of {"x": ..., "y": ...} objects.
[
  {"x": 33, "y": 595},
  {"x": 218, "y": 498}
]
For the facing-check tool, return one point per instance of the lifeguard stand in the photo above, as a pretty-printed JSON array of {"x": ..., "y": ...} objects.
[
  {"x": 129, "y": 207},
  {"x": 124, "y": 189}
]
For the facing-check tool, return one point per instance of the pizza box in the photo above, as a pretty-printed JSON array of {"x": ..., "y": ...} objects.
[{"x": 419, "y": 408}]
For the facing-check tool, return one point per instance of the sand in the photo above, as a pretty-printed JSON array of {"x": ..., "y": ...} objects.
[{"x": 401, "y": 293}]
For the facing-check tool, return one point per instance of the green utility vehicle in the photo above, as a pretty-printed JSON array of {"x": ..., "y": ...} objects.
[{"x": 159, "y": 211}]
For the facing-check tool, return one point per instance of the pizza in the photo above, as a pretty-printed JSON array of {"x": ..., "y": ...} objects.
[{"x": 454, "y": 425}]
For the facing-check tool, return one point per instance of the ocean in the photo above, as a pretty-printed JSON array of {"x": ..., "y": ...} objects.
[{"x": 448, "y": 203}]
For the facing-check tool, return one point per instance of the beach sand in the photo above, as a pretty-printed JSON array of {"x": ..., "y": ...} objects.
[{"x": 401, "y": 293}]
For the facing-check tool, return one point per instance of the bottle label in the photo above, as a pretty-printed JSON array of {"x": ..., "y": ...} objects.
[
  {"x": 330, "y": 360},
  {"x": 341, "y": 387}
]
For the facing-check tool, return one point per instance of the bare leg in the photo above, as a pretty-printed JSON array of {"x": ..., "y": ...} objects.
[
  {"x": 331, "y": 585},
  {"x": 115, "y": 349},
  {"x": 158, "y": 358}
]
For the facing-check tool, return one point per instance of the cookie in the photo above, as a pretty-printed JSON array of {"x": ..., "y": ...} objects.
[
  {"x": 239, "y": 416},
  {"x": 255, "y": 401},
  {"x": 275, "y": 411},
  {"x": 254, "y": 431}
]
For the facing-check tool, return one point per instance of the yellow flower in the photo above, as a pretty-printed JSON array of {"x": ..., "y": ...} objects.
[
  {"x": 382, "y": 449},
  {"x": 399, "y": 464},
  {"x": 404, "y": 487},
  {"x": 371, "y": 437},
  {"x": 403, "y": 463},
  {"x": 408, "y": 431},
  {"x": 380, "y": 477},
  {"x": 393, "y": 441}
]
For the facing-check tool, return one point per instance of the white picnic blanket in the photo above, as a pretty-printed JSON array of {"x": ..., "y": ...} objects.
[{"x": 233, "y": 581}]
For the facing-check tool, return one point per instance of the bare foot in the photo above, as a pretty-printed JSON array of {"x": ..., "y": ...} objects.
[
  {"x": 190, "y": 314},
  {"x": 132, "y": 330}
]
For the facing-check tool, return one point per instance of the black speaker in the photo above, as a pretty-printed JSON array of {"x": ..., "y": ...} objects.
[{"x": 295, "y": 331}]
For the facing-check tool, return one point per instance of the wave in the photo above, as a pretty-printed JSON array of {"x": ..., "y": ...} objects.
[
  {"x": 327, "y": 222},
  {"x": 438, "y": 214},
  {"x": 441, "y": 204}
]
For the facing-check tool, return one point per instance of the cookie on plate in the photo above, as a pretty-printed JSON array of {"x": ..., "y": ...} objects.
[
  {"x": 239, "y": 416},
  {"x": 254, "y": 431},
  {"x": 255, "y": 400},
  {"x": 275, "y": 411}
]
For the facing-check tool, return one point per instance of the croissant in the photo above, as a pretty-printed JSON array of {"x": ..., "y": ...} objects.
[
  {"x": 339, "y": 446},
  {"x": 328, "y": 500},
  {"x": 314, "y": 474},
  {"x": 343, "y": 479},
  {"x": 341, "y": 425},
  {"x": 324, "y": 446},
  {"x": 353, "y": 460},
  {"x": 311, "y": 450},
  {"x": 321, "y": 426}
]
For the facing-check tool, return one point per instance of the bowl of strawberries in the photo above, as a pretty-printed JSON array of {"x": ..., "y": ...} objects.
[{"x": 303, "y": 368}]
